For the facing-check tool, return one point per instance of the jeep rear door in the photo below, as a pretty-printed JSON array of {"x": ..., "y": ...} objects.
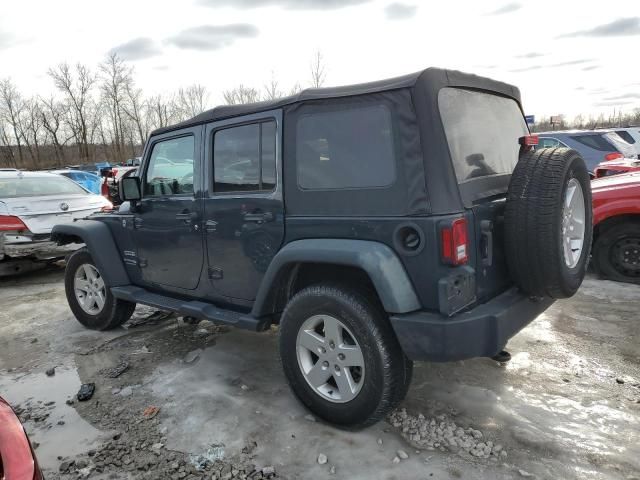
[
  {"x": 166, "y": 220},
  {"x": 483, "y": 132},
  {"x": 243, "y": 208}
]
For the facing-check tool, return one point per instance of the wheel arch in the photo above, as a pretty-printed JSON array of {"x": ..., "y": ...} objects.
[
  {"x": 100, "y": 244},
  {"x": 612, "y": 221},
  {"x": 371, "y": 263}
]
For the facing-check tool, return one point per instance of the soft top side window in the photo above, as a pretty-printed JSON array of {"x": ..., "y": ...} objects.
[
  {"x": 244, "y": 158},
  {"x": 170, "y": 169},
  {"x": 350, "y": 148}
]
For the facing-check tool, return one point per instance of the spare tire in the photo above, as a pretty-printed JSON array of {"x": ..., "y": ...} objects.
[{"x": 548, "y": 222}]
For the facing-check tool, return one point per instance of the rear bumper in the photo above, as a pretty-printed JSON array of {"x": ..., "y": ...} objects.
[
  {"x": 40, "y": 250},
  {"x": 480, "y": 332}
]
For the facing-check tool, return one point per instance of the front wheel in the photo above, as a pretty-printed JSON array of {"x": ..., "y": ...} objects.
[
  {"x": 616, "y": 254},
  {"x": 89, "y": 298},
  {"x": 341, "y": 357}
]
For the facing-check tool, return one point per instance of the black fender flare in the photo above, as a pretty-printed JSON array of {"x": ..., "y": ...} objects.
[
  {"x": 383, "y": 266},
  {"x": 101, "y": 245}
]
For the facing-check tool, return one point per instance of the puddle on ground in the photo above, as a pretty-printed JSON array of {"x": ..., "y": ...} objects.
[{"x": 74, "y": 437}]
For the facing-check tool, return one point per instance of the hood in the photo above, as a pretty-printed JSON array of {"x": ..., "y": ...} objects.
[{"x": 623, "y": 180}]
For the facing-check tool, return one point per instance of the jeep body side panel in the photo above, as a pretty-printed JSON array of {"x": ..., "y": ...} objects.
[
  {"x": 101, "y": 245},
  {"x": 380, "y": 262}
]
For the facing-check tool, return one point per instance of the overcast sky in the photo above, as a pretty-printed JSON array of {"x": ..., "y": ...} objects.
[{"x": 567, "y": 56}]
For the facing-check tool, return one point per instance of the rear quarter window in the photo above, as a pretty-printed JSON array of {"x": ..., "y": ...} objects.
[
  {"x": 351, "y": 148},
  {"x": 596, "y": 142},
  {"x": 482, "y": 131}
]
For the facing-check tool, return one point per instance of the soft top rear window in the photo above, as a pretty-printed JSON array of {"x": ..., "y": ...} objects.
[{"x": 482, "y": 131}]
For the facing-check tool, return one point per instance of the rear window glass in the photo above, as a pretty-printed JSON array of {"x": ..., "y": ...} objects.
[
  {"x": 626, "y": 136},
  {"x": 38, "y": 186},
  {"x": 345, "y": 149},
  {"x": 594, "y": 141},
  {"x": 482, "y": 131}
]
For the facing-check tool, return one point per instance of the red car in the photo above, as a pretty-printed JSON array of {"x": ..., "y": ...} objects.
[
  {"x": 616, "y": 232},
  {"x": 614, "y": 167},
  {"x": 17, "y": 460}
]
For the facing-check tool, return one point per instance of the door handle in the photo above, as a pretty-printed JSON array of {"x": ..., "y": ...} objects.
[
  {"x": 259, "y": 217},
  {"x": 186, "y": 217}
]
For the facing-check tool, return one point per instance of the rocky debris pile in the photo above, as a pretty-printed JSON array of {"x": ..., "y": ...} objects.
[
  {"x": 35, "y": 411},
  {"x": 145, "y": 459},
  {"x": 442, "y": 433}
]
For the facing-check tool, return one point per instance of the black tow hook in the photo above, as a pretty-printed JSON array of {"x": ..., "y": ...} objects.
[{"x": 502, "y": 357}]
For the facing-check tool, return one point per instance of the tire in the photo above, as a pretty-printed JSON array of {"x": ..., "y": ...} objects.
[
  {"x": 112, "y": 314},
  {"x": 536, "y": 227},
  {"x": 615, "y": 252},
  {"x": 386, "y": 373}
]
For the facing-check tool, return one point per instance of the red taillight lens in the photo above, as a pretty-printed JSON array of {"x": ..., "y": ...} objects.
[
  {"x": 104, "y": 189},
  {"x": 455, "y": 248},
  {"x": 11, "y": 223},
  {"x": 613, "y": 156},
  {"x": 529, "y": 140},
  {"x": 17, "y": 458}
]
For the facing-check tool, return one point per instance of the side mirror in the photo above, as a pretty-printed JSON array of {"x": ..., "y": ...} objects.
[{"x": 129, "y": 189}]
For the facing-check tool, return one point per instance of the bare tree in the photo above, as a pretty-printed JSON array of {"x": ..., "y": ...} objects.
[
  {"x": 77, "y": 90},
  {"x": 116, "y": 82},
  {"x": 161, "y": 111},
  {"x": 136, "y": 109},
  {"x": 318, "y": 70},
  {"x": 6, "y": 151},
  {"x": 31, "y": 130},
  {"x": 11, "y": 108},
  {"x": 53, "y": 114},
  {"x": 272, "y": 89},
  {"x": 240, "y": 95},
  {"x": 192, "y": 100}
]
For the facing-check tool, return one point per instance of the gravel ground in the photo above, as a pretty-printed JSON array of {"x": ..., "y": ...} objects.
[{"x": 179, "y": 401}]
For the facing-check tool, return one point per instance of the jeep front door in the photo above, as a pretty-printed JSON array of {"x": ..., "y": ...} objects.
[
  {"x": 166, "y": 222},
  {"x": 243, "y": 210}
]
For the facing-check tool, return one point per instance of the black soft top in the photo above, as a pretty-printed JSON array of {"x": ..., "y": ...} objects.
[{"x": 430, "y": 79}]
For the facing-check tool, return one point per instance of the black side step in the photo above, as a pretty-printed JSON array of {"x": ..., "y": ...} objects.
[{"x": 191, "y": 308}]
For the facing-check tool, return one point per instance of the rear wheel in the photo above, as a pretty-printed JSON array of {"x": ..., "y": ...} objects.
[
  {"x": 341, "y": 357},
  {"x": 89, "y": 297},
  {"x": 616, "y": 254}
]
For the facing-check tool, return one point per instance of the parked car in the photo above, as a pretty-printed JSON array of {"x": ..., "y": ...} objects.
[
  {"x": 94, "y": 168},
  {"x": 594, "y": 146},
  {"x": 17, "y": 458},
  {"x": 372, "y": 234},
  {"x": 614, "y": 167},
  {"x": 631, "y": 135},
  {"x": 616, "y": 234},
  {"x": 30, "y": 204},
  {"x": 89, "y": 181}
]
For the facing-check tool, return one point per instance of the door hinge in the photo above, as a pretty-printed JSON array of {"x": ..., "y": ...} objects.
[
  {"x": 215, "y": 273},
  {"x": 142, "y": 262}
]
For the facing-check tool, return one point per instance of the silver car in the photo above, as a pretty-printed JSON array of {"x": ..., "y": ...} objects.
[{"x": 31, "y": 203}]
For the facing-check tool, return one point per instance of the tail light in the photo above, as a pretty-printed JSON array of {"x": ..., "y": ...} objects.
[
  {"x": 104, "y": 189},
  {"x": 17, "y": 461},
  {"x": 10, "y": 223},
  {"x": 529, "y": 140},
  {"x": 613, "y": 156},
  {"x": 455, "y": 247}
]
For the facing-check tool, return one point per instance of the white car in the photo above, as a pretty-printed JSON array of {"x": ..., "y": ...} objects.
[
  {"x": 31, "y": 203},
  {"x": 630, "y": 135}
]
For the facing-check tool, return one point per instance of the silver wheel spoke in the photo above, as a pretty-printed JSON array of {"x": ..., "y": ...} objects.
[
  {"x": 346, "y": 384},
  {"x": 332, "y": 330},
  {"x": 82, "y": 284},
  {"x": 318, "y": 375},
  {"x": 99, "y": 298},
  {"x": 311, "y": 341},
  {"x": 352, "y": 356},
  {"x": 573, "y": 223}
]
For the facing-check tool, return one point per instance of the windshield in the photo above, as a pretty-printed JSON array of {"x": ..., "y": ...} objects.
[
  {"x": 38, "y": 187},
  {"x": 482, "y": 132}
]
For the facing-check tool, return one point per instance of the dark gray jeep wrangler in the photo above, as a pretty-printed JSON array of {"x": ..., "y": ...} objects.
[{"x": 377, "y": 224}]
